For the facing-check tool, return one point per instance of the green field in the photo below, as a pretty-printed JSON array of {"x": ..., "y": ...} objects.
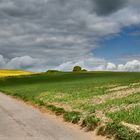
[{"x": 91, "y": 99}]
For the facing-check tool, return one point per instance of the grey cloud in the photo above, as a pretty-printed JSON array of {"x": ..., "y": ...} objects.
[
  {"x": 106, "y": 7},
  {"x": 60, "y": 31},
  {"x": 23, "y": 62},
  {"x": 90, "y": 63},
  {"x": 2, "y": 61},
  {"x": 20, "y": 8}
]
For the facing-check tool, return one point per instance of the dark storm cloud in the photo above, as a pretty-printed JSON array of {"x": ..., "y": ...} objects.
[
  {"x": 105, "y": 7},
  {"x": 54, "y": 32},
  {"x": 101, "y": 7}
]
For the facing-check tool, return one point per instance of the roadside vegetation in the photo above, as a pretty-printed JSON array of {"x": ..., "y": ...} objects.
[{"x": 106, "y": 102}]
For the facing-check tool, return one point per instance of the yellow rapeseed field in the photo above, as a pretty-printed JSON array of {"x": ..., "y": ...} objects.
[{"x": 5, "y": 73}]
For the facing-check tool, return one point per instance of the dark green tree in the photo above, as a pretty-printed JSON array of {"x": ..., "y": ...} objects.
[{"x": 77, "y": 68}]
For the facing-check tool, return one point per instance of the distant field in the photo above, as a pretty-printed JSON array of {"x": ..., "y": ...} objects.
[
  {"x": 108, "y": 101},
  {"x": 5, "y": 73}
]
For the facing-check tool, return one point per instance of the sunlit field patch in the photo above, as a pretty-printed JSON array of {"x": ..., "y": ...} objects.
[{"x": 6, "y": 73}]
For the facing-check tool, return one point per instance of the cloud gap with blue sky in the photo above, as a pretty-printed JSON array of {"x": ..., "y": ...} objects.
[{"x": 38, "y": 35}]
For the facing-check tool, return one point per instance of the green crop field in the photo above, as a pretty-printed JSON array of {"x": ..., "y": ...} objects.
[{"x": 106, "y": 101}]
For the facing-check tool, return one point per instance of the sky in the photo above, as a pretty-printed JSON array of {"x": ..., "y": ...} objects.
[{"x": 38, "y": 35}]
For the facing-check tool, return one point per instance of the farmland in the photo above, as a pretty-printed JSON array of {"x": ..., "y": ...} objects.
[
  {"x": 106, "y": 101},
  {"x": 6, "y": 73}
]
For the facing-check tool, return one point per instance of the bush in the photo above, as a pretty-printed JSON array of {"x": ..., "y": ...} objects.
[
  {"x": 52, "y": 71},
  {"x": 77, "y": 68},
  {"x": 84, "y": 70},
  {"x": 73, "y": 117},
  {"x": 90, "y": 122}
]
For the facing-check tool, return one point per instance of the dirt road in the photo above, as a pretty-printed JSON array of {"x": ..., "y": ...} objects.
[{"x": 19, "y": 121}]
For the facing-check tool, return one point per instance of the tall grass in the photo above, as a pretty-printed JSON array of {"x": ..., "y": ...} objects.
[{"x": 131, "y": 115}]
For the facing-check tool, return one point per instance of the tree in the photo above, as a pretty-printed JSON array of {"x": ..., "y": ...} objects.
[{"x": 77, "y": 68}]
